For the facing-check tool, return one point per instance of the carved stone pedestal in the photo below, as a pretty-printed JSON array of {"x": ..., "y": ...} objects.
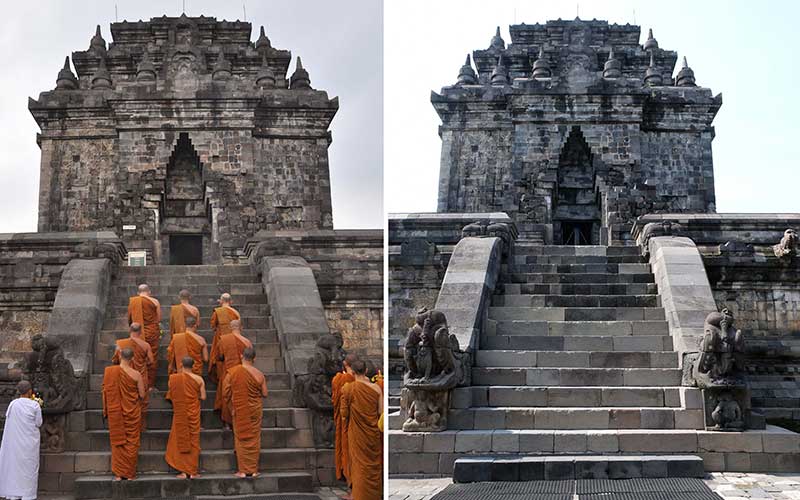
[
  {"x": 426, "y": 409},
  {"x": 53, "y": 430}
]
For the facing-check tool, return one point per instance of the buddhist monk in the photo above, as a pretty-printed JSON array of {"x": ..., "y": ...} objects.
[
  {"x": 362, "y": 405},
  {"x": 123, "y": 389},
  {"x": 244, "y": 388},
  {"x": 221, "y": 324},
  {"x": 187, "y": 343},
  {"x": 340, "y": 440},
  {"x": 142, "y": 358},
  {"x": 178, "y": 313},
  {"x": 229, "y": 353},
  {"x": 146, "y": 311},
  {"x": 186, "y": 390}
]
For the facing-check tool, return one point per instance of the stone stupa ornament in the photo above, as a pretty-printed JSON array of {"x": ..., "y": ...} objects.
[
  {"x": 651, "y": 43},
  {"x": 299, "y": 79},
  {"x": 497, "y": 41},
  {"x": 466, "y": 75},
  {"x": 97, "y": 45},
  {"x": 613, "y": 66},
  {"x": 541, "y": 68},
  {"x": 263, "y": 42},
  {"x": 222, "y": 68},
  {"x": 145, "y": 70},
  {"x": 500, "y": 73},
  {"x": 265, "y": 78},
  {"x": 652, "y": 77},
  {"x": 101, "y": 80},
  {"x": 66, "y": 80},
  {"x": 685, "y": 76}
]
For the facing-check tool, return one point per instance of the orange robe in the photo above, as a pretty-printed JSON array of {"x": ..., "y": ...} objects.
[
  {"x": 140, "y": 364},
  {"x": 183, "y": 446},
  {"x": 182, "y": 345},
  {"x": 231, "y": 348},
  {"x": 221, "y": 324},
  {"x": 340, "y": 442},
  {"x": 365, "y": 440},
  {"x": 121, "y": 406},
  {"x": 177, "y": 318},
  {"x": 243, "y": 393},
  {"x": 142, "y": 310}
]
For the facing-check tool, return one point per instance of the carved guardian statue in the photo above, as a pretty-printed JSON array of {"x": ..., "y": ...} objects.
[{"x": 787, "y": 248}]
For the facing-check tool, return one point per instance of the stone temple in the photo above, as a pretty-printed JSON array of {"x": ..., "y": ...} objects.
[
  {"x": 576, "y": 308},
  {"x": 184, "y": 145}
]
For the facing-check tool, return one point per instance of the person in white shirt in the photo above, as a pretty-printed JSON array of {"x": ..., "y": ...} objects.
[{"x": 19, "y": 451}]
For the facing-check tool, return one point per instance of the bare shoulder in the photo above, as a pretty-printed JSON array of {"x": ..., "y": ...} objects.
[{"x": 198, "y": 379}]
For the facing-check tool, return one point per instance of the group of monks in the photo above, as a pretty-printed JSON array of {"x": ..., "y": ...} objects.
[
  {"x": 358, "y": 418},
  {"x": 127, "y": 384}
]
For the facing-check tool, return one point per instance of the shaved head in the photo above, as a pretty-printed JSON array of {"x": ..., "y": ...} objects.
[
  {"x": 127, "y": 354},
  {"x": 144, "y": 288},
  {"x": 225, "y": 297},
  {"x": 187, "y": 362},
  {"x": 24, "y": 387},
  {"x": 359, "y": 367},
  {"x": 190, "y": 321},
  {"x": 135, "y": 327},
  {"x": 249, "y": 354},
  {"x": 350, "y": 359},
  {"x": 184, "y": 294}
]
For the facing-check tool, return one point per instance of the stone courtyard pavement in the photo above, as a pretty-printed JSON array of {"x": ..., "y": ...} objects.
[{"x": 729, "y": 485}]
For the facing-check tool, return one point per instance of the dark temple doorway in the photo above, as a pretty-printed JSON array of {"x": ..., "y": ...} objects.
[
  {"x": 576, "y": 218},
  {"x": 185, "y": 249}
]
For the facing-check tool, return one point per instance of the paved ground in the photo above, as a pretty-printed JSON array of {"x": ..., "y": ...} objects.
[
  {"x": 325, "y": 493},
  {"x": 730, "y": 486}
]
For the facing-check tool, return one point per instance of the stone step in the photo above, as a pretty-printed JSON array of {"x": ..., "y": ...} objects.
[
  {"x": 565, "y": 467},
  {"x": 105, "y": 352},
  {"x": 575, "y": 418},
  {"x": 601, "y": 267},
  {"x": 606, "y": 301},
  {"x": 121, "y": 311},
  {"x": 588, "y": 288},
  {"x": 577, "y": 359},
  {"x": 121, "y": 322},
  {"x": 570, "y": 278},
  {"x": 275, "y": 381},
  {"x": 120, "y": 298},
  {"x": 168, "y": 293},
  {"x": 257, "y": 335},
  {"x": 511, "y": 312},
  {"x": 523, "y": 257},
  {"x": 579, "y": 250},
  {"x": 211, "y": 439},
  {"x": 162, "y": 418},
  {"x": 611, "y": 397},
  {"x": 578, "y": 343},
  {"x": 565, "y": 328},
  {"x": 187, "y": 270},
  {"x": 97, "y": 487},
  {"x": 158, "y": 402},
  {"x": 578, "y": 377},
  {"x": 239, "y": 276},
  {"x": 267, "y": 364}
]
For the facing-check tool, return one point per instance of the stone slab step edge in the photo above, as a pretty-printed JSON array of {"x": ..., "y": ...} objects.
[
  {"x": 560, "y": 468},
  {"x": 587, "y": 314},
  {"x": 578, "y": 377},
  {"x": 577, "y": 343},
  {"x": 609, "y": 397},
  {"x": 576, "y": 359}
]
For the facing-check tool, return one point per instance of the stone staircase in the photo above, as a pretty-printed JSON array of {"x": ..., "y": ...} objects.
[
  {"x": 576, "y": 340},
  {"x": 288, "y": 457}
]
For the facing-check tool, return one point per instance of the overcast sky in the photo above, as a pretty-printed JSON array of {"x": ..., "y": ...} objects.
[
  {"x": 744, "y": 49},
  {"x": 340, "y": 43}
]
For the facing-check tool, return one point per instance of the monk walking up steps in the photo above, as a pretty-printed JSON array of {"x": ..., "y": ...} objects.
[
  {"x": 340, "y": 440},
  {"x": 186, "y": 390},
  {"x": 123, "y": 389},
  {"x": 229, "y": 353},
  {"x": 142, "y": 358},
  {"x": 221, "y": 324},
  {"x": 187, "y": 343},
  {"x": 362, "y": 405},
  {"x": 244, "y": 387},
  {"x": 146, "y": 311},
  {"x": 178, "y": 313}
]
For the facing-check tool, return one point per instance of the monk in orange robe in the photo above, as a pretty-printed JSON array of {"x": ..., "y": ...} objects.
[
  {"x": 146, "y": 311},
  {"x": 186, "y": 390},
  {"x": 244, "y": 388},
  {"x": 178, "y": 313},
  {"x": 221, "y": 324},
  {"x": 340, "y": 441},
  {"x": 362, "y": 405},
  {"x": 229, "y": 352},
  {"x": 123, "y": 389},
  {"x": 142, "y": 359},
  {"x": 375, "y": 375},
  {"x": 187, "y": 343}
]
